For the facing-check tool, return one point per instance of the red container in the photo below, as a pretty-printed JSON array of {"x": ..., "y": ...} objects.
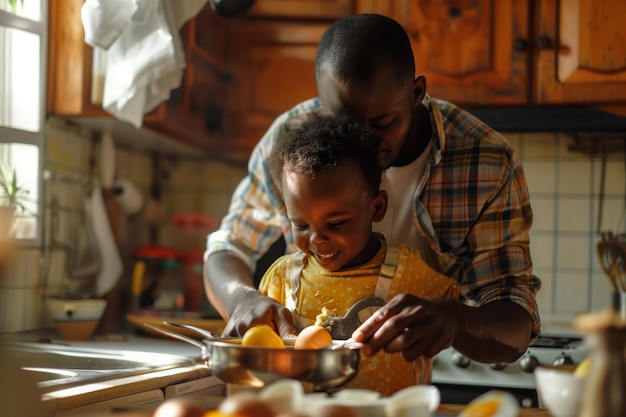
[{"x": 190, "y": 230}]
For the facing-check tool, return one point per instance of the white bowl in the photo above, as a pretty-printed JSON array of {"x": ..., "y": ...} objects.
[
  {"x": 559, "y": 390},
  {"x": 76, "y": 319}
]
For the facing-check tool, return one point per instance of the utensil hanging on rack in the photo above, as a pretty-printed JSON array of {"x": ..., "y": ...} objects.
[
  {"x": 612, "y": 254},
  {"x": 611, "y": 249}
]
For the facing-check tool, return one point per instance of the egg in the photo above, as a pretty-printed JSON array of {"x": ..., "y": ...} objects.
[
  {"x": 492, "y": 404},
  {"x": 245, "y": 404},
  {"x": 333, "y": 410},
  {"x": 313, "y": 337},
  {"x": 180, "y": 407},
  {"x": 414, "y": 400},
  {"x": 284, "y": 396},
  {"x": 262, "y": 336}
]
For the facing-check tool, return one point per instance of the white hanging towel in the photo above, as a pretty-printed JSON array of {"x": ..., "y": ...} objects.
[
  {"x": 104, "y": 20},
  {"x": 146, "y": 60},
  {"x": 112, "y": 266}
]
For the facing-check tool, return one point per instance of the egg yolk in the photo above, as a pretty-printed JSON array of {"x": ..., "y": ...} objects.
[
  {"x": 262, "y": 336},
  {"x": 482, "y": 409},
  {"x": 313, "y": 337}
]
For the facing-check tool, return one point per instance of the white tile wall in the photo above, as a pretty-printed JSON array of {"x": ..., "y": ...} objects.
[
  {"x": 564, "y": 188},
  {"x": 565, "y": 193}
]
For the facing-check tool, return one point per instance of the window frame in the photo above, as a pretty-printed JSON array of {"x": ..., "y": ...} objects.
[{"x": 12, "y": 135}]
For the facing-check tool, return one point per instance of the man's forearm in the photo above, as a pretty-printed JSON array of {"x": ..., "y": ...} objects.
[
  {"x": 495, "y": 332},
  {"x": 226, "y": 280}
]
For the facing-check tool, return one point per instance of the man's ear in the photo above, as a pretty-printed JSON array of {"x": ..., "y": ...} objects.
[
  {"x": 380, "y": 206},
  {"x": 419, "y": 89}
]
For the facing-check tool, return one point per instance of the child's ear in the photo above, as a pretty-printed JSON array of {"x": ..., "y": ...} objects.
[{"x": 380, "y": 206}]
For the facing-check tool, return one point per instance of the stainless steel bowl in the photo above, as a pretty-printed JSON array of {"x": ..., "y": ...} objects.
[{"x": 318, "y": 369}]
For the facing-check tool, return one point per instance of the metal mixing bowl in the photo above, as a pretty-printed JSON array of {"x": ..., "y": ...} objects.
[{"x": 320, "y": 369}]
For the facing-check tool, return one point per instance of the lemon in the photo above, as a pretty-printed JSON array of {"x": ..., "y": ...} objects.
[
  {"x": 262, "y": 336},
  {"x": 582, "y": 369}
]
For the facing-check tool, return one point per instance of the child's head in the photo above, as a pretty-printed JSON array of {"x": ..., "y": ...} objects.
[{"x": 329, "y": 174}]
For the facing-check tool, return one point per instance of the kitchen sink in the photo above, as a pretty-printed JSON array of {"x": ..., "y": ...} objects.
[{"x": 57, "y": 366}]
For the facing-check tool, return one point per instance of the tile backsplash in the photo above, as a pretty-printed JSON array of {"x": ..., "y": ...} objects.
[{"x": 564, "y": 186}]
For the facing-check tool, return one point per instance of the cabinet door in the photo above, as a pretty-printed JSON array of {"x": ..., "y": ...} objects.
[
  {"x": 194, "y": 112},
  {"x": 272, "y": 66},
  {"x": 69, "y": 63},
  {"x": 471, "y": 52},
  {"x": 307, "y": 9},
  {"x": 582, "y": 52}
]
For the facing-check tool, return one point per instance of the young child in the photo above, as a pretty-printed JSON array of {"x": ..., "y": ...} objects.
[{"x": 329, "y": 174}]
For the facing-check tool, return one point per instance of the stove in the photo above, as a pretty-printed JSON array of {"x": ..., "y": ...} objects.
[{"x": 460, "y": 379}]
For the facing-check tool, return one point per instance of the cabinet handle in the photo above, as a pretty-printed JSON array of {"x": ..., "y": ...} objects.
[
  {"x": 454, "y": 12},
  {"x": 544, "y": 42},
  {"x": 213, "y": 118},
  {"x": 520, "y": 44}
]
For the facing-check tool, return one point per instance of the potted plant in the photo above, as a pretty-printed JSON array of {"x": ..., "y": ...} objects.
[{"x": 13, "y": 196}]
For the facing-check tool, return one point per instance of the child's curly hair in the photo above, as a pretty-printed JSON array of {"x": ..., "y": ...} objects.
[{"x": 321, "y": 142}]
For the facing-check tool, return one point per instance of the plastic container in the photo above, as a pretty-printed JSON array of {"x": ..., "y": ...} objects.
[
  {"x": 195, "y": 296},
  {"x": 157, "y": 279},
  {"x": 191, "y": 229}
]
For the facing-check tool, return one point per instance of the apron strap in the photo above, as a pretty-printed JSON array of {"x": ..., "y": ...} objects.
[
  {"x": 386, "y": 272},
  {"x": 294, "y": 279}
]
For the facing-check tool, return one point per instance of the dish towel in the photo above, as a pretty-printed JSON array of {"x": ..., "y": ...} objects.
[{"x": 145, "y": 57}]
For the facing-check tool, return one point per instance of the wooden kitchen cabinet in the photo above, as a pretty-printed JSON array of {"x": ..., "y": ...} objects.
[
  {"x": 581, "y": 52},
  {"x": 69, "y": 62},
  {"x": 243, "y": 72},
  {"x": 194, "y": 112},
  {"x": 483, "y": 52},
  {"x": 272, "y": 65},
  {"x": 472, "y": 52},
  {"x": 302, "y": 9}
]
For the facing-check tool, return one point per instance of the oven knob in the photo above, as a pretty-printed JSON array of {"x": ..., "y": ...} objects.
[
  {"x": 563, "y": 359},
  {"x": 460, "y": 360},
  {"x": 498, "y": 366},
  {"x": 528, "y": 363}
]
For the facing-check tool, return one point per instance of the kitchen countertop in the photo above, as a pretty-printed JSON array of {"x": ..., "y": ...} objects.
[
  {"x": 86, "y": 394},
  {"x": 127, "y": 341},
  {"x": 444, "y": 410},
  {"x": 148, "y": 343}
]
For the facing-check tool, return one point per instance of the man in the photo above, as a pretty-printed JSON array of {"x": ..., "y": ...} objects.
[{"x": 456, "y": 192}]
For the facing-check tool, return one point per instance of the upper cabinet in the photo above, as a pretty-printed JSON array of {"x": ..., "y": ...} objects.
[
  {"x": 243, "y": 72},
  {"x": 272, "y": 67},
  {"x": 580, "y": 55},
  {"x": 471, "y": 52},
  {"x": 519, "y": 52},
  {"x": 193, "y": 114}
]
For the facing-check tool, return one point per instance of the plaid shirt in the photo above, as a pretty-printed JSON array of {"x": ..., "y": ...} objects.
[{"x": 473, "y": 211}]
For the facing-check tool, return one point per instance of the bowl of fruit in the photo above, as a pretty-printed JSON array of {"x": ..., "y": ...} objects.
[{"x": 261, "y": 357}]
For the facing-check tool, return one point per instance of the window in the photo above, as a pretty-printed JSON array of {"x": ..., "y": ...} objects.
[{"x": 23, "y": 37}]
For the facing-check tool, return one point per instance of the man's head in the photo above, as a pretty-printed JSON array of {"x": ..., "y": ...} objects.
[
  {"x": 365, "y": 68},
  {"x": 357, "y": 47},
  {"x": 330, "y": 179}
]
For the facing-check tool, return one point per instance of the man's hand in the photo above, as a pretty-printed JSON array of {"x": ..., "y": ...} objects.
[
  {"x": 498, "y": 331},
  {"x": 409, "y": 324},
  {"x": 254, "y": 309}
]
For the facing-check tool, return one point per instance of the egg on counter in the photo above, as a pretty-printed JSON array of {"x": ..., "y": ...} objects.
[
  {"x": 181, "y": 407},
  {"x": 244, "y": 404},
  {"x": 313, "y": 337},
  {"x": 284, "y": 396},
  {"x": 492, "y": 404}
]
